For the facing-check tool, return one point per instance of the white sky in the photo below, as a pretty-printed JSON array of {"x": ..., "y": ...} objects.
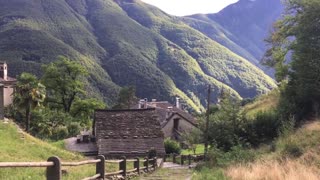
[{"x": 188, "y": 7}]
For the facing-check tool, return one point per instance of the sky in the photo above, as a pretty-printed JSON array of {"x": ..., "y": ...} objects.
[{"x": 188, "y": 7}]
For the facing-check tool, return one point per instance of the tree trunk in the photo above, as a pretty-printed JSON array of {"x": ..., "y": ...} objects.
[{"x": 27, "y": 119}]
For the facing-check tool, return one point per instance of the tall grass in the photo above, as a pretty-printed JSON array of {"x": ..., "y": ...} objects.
[{"x": 274, "y": 170}]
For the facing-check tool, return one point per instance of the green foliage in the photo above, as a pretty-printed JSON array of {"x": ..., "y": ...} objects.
[
  {"x": 295, "y": 38},
  {"x": 152, "y": 153},
  {"x": 263, "y": 128},
  {"x": 83, "y": 110},
  {"x": 172, "y": 146},
  {"x": 237, "y": 154},
  {"x": 209, "y": 174},
  {"x": 29, "y": 94},
  {"x": 50, "y": 124},
  {"x": 227, "y": 124},
  {"x": 127, "y": 98},
  {"x": 166, "y": 58},
  {"x": 63, "y": 79},
  {"x": 192, "y": 139}
]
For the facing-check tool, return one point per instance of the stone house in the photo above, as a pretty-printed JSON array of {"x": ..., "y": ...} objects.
[
  {"x": 173, "y": 120},
  {"x": 128, "y": 133},
  {"x": 7, "y": 85}
]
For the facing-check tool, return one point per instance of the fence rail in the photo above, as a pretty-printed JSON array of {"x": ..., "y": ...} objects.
[{"x": 54, "y": 164}]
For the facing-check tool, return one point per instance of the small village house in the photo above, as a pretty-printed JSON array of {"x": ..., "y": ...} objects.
[
  {"x": 174, "y": 120},
  {"x": 128, "y": 133}
]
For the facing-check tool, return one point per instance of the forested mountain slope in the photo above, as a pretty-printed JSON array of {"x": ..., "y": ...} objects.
[
  {"x": 242, "y": 27},
  {"x": 124, "y": 43}
]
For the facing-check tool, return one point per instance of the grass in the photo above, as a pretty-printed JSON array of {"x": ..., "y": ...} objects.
[
  {"x": 15, "y": 148},
  {"x": 199, "y": 150},
  {"x": 169, "y": 174},
  {"x": 262, "y": 103},
  {"x": 296, "y": 156}
]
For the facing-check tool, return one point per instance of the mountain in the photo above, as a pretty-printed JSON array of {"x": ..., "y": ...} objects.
[
  {"x": 125, "y": 42},
  {"x": 241, "y": 27}
]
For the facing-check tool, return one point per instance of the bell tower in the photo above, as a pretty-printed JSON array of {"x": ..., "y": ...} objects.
[{"x": 4, "y": 71}]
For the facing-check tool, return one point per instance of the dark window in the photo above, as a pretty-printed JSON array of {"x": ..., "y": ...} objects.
[{"x": 176, "y": 124}]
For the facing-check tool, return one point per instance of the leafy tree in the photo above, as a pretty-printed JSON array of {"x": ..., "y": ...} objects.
[
  {"x": 64, "y": 81},
  {"x": 296, "y": 37},
  {"x": 84, "y": 109},
  {"x": 226, "y": 124},
  {"x": 29, "y": 94},
  {"x": 193, "y": 138},
  {"x": 127, "y": 98}
]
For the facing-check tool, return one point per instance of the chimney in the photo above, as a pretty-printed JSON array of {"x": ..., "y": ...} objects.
[
  {"x": 141, "y": 104},
  {"x": 178, "y": 102},
  {"x": 145, "y": 103},
  {"x": 4, "y": 71},
  {"x": 169, "y": 112}
]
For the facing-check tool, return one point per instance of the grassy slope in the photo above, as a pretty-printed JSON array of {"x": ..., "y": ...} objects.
[
  {"x": 262, "y": 103},
  {"x": 14, "y": 148},
  {"x": 279, "y": 165}
]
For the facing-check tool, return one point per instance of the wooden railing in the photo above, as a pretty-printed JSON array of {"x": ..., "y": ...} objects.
[
  {"x": 180, "y": 159},
  {"x": 54, "y": 164}
]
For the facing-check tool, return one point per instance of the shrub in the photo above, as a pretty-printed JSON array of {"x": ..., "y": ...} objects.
[
  {"x": 152, "y": 153},
  {"x": 74, "y": 128},
  {"x": 172, "y": 146},
  {"x": 263, "y": 128},
  {"x": 60, "y": 132},
  {"x": 236, "y": 154}
]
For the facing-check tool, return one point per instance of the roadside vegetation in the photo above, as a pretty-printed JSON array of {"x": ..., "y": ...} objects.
[{"x": 276, "y": 136}]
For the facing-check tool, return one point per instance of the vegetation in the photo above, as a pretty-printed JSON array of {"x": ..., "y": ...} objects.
[
  {"x": 29, "y": 94},
  {"x": 164, "y": 60},
  {"x": 172, "y": 146},
  {"x": 295, "y": 40},
  {"x": 65, "y": 110},
  {"x": 127, "y": 98}
]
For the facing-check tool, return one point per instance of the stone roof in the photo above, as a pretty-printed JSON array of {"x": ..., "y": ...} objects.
[
  {"x": 162, "y": 107},
  {"x": 9, "y": 80},
  {"x": 128, "y": 132}
]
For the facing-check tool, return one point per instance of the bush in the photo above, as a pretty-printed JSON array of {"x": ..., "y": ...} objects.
[
  {"x": 60, "y": 132},
  {"x": 264, "y": 128},
  {"x": 152, "y": 153},
  {"x": 74, "y": 129},
  {"x": 237, "y": 154},
  {"x": 172, "y": 146}
]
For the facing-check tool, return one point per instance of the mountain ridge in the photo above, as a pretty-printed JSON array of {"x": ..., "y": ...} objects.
[{"x": 158, "y": 53}]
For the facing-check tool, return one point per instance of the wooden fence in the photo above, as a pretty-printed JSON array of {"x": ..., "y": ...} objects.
[
  {"x": 54, "y": 164},
  {"x": 180, "y": 159}
]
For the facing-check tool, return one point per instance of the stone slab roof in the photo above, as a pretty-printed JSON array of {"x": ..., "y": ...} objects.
[{"x": 128, "y": 132}]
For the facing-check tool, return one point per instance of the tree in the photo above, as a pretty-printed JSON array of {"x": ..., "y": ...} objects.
[
  {"x": 193, "y": 138},
  {"x": 64, "y": 81},
  {"x": 84, "y": 109},
  {"x": 296, "y": 38},
  {"x": 29, "y": 94},
  {"x": 127, "y": 98}
]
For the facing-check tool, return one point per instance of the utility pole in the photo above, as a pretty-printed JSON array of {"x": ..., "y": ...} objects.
[{"x": 207, "y": 124}]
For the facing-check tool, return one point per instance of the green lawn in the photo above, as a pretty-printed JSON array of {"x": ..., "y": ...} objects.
[
  {"x": 199, "y": 150},
  {"x": 18, "y": 146}
]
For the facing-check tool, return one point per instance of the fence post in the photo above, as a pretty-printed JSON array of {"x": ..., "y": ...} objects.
[
  {"x": 174, "y": 158},
  {"x": 182, "y": 159},
  {"x": 136, "y": 165},
  {"x": 146, "y": 164},
  {"x": 155, "y": 163},
  {"x": 54, "y": 172},
  {"x": 189, "y": 159},
  {"x": 100, "y": 167},
  {"x": 123, "y": 166}
]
